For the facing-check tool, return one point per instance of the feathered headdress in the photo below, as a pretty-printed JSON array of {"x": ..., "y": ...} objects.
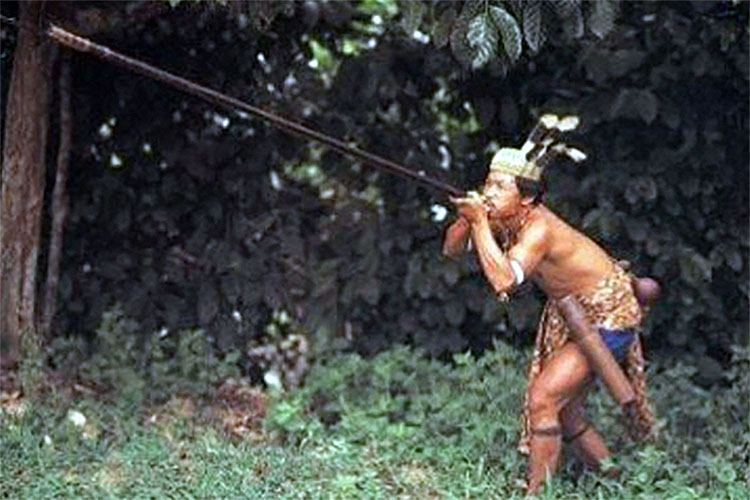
[{"x": 538, "y": 150}]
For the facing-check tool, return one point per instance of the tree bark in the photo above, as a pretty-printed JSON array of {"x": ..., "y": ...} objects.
[
  {"x": 59, "y": 198},
  {"x": 22, "y": 195}
]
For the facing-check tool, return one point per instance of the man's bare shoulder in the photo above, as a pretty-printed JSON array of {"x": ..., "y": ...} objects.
[
  {"x": 561, "y": 238},
  {"x": 553, "y": 224},
  {"x": 537, "y": 231},
  {"x": 547, "y": 224},
  {"x": 565, "y": 239}
]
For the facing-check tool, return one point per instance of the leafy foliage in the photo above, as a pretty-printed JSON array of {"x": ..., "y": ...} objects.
[
  {"x": 482, "y": 36},
  {"x": 397, "y": 424},
  {"x": 205, "y": 214},
  {"x": 486, "y": 29},
  {"x": 130, "y": 367},
  {"x": 602, "y": 17},
  {"x": 205, "y": 225},
  {"x": 491, "y": 33}
]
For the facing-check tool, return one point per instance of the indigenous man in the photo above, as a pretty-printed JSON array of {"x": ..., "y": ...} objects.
[{"x": 536, "y": 244}]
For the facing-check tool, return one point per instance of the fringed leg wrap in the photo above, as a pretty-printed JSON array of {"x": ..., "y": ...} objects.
[
  {"x": 552, "y": 431},
  {"x": 570, "y": 437},
  {"x": 546, "y": 444}
]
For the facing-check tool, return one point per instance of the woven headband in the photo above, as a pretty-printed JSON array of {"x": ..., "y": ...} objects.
[{"x": 538, "y": 150}]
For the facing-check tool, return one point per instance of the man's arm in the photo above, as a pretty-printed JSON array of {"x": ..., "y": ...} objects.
[
  {"x": 457, "y": 238},
  {"x": 506, "y": 271},
  {"x": 494, "y": 263},
  {"x": 502, "y": 271}
]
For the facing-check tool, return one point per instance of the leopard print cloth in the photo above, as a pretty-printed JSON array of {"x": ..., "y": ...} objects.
[{"x": 612, "y": 304}]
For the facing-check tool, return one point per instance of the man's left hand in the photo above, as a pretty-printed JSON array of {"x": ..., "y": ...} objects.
[{"x": 471, "y": 207}]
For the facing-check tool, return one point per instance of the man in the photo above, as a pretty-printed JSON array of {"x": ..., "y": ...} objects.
[{"x": 536, "y": 244}]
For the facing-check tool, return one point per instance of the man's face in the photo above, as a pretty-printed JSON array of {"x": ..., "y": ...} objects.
[{"x": 502, "y": 195}]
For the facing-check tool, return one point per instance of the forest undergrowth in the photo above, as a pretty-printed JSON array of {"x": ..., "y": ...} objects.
[{"x": 181, "y": 423}]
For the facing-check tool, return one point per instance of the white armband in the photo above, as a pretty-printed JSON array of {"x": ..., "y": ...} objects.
[{"x": 517, "y": 271}]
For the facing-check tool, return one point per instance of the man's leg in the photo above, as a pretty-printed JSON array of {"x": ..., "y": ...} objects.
[
  {"x": 581, "y": 436},
  {"x": 563, "y": 378}
]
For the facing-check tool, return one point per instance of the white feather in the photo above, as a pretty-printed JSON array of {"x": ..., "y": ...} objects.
[
  {"x": 549, "y": 121},
  {"x": 576, "y": 154},
  {"x": 527, "y": 146},
  {"x": 568, "y": 123}
]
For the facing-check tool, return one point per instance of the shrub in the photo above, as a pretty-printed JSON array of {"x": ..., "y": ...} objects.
[{"x": 131, "y": 366}]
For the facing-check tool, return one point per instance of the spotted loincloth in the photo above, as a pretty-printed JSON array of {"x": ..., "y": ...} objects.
[{"x": 612, "y": 305}]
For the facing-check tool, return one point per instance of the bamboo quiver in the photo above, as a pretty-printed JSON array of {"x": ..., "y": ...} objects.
[{"x": 597, "y": 354}]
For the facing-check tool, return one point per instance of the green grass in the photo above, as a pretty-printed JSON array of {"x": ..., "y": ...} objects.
[{"x": 395, "y": 426}]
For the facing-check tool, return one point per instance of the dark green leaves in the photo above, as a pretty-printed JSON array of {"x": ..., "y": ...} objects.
[
  {"x": 188, "y": 242},
  {"x": 509, "y": 31},
  {"x": 441, "y": 29},
  {"x": 533, "y": 27},
  {"x": 490, "y": 34},
  {"x": 602, "y": 16},
  {"x": 632, "y": 103},
  {"x": 413, "y": 12},
  {"x": 485, "y": 32},
  {"x": 695, "y": 269},
  {"x": 482, "y": 36}
]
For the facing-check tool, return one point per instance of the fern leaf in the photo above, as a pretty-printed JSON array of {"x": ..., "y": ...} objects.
[
  {"x": 483, "y": 37},
  {"x": 533, "y": 30},
  {"x": 509, "y": 30},
  {"x": 602, "y": 16}
]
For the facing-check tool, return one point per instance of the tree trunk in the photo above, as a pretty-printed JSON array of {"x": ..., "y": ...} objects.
[
  {"x": 59, "y": 199},
  {"x": 23, "y": 168}
]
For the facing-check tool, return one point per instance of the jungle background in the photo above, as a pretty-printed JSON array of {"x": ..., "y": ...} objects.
[{"x": 156, "y": 248}]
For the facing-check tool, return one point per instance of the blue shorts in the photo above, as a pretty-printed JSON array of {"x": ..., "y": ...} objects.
[{"x": 617, "y": 341}]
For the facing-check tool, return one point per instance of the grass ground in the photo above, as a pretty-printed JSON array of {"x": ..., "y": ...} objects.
[{"x": 395, "y": 426}]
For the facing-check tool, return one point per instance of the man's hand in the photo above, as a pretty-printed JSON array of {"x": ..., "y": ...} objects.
[{"x": 472, "y": 207}]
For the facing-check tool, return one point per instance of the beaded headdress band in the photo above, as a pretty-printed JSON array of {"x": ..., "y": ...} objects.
[{"x": 538, "y": 150}]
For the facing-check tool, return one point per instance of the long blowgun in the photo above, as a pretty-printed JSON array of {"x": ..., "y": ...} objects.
[{"x": 81, "y": 44}]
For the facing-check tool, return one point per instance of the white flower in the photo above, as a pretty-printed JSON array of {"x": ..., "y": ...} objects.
[
  {"x": 272, "y": 380},
  {"x": 76, "y": 418},
  {"x": 115, "y": 161},
  {"x": 105, "y": 131},
  {"x": 221, "y": 121},
  {"x": 439, "y": 212},
  {"x": 421, "y": 37},
  {"x": 275, "y": 181},
  {"x": 445, "y": 157}
]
